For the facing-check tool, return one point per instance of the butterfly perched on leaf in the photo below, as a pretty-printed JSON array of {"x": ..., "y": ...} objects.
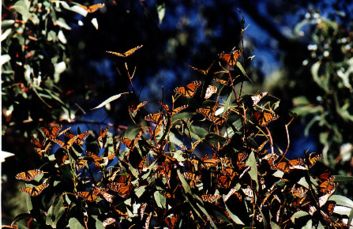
[
  {"x": 230, "y": 58},
  {"x": 263, "y": 118},
  {"x": 92, "y": 8},
  {"x": 35, "y": 190},
  {"x": 29, "y": 175},
  {"x": 123, "y": 189},
  {"x": 89, "y": 196},
  {"x": 127, "y": 53},
  {"x": 189, "y": 90},
  {"x": 209, "y": 114}
]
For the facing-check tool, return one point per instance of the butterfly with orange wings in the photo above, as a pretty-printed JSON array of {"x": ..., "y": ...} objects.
[
  {"x": 230, "y": 58},
  {"x": 29, "y": 175},
  {"x": 122, "y": 189},
  {"x": 90, "y": 196},
  {"x": 127, "y": 53},
  {"x": 209, "y": 114},
  {"x": 92, "y": 8},
  {"x": 210, "y": 198},
  {"x": 35, "y": 190},
  {"x": 265, "y": 117},
  {"x": 133, "y": 109},
  {"x": 189, "y": 90}
]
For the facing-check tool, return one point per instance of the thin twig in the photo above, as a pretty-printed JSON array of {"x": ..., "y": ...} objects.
[{"x": 288, "y": 138}]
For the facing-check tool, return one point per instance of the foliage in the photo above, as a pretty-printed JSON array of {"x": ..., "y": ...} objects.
[
  {"x": 208, "y": 159},
  {"x": 34, "y": 47},
  {"x": 328, "y": 108}
]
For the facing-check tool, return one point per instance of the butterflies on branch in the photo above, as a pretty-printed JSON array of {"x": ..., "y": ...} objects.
[
  {"x": 189, "y": 90},
  {"x": 127, "y": 53}
]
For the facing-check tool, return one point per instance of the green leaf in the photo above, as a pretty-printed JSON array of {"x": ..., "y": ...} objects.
[
  {"x": 308, "y": 225},
  {"x": 75, "y": 224},
  {"x": 140, "y": 190},
  {"x": 298, "y": 214},
  {"x": 22, "y": 7},
  {"x": 274, "y": 225},
  {"x": 184, "y": 183},
  {"x": 251, "y": 161},
  {"x": 234, "y": 217},
  {"x": 341, "y": 178},
  {"x": 160, "y": 200},
  {"x": 98, "y": 224},
  {"x": 241, "y": 68},
  {"x": 161, "y": 12},
  {"x": 178, "y": 155},
  {"x": 207, "y": 215},
  {"x": 109, "y": 100},
  {"x": 342, "y": 200},
  {"x": 198, "y": 131},
  {"x": 55, "y": 212}
]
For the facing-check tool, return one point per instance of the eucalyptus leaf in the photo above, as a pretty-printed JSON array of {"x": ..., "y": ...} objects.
[
  {"x": 251, "y": 161},
  {"x": 160, "y": 200},
  {"x": 75, "y": 224},
  {"x": 298, "y": 214}
]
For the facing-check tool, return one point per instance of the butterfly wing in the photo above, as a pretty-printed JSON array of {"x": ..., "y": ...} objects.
[
  {"x": 29, "y": 175},
  {"x": 189, "y": 90}
]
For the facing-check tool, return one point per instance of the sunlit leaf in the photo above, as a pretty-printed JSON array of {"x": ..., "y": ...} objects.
[
  {"x": 75, "y": 224},
  {"x": 297, "y": 215},
  {"x": 251, "y": 161},
  {"x": 160, "y": 199},
  {"x": 109, "y": 100}
]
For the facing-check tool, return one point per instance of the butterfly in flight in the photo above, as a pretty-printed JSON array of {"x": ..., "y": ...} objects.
[
  {"x": 92, "y": 8},
  {"x": 127, "y": 53},
  {"x": 189, "y": 90}
]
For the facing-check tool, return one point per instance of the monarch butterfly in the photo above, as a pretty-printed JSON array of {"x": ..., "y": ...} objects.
[
  {"x": 102, "y": 137},
  {"x": 192, "y": 178},
  {"x": 135, "y": 108},
  {"x": 92, "y": 8},
  {"x": 208, "y": 113},
  {"x": 326, "y": 175},
  {"x": 90, "y": 196},
  {"x": 210, "y": 198},
  {"x": 179, "y": 109},
  {"x": 40, "y": 146},
  {"x": 122, "y": 189},
  {"x": 154, "y": 117},
  {"x": 202, "y": 71},
  {"x": 330, "y": 206},
  {"x": 35, "y": 190},
  {"x": 265, "y": 117},
  {"x": 78, "y": 139},
  {"x": 189, "y": 90},
  {"x": 313, "y": 158},
  {"x": 241, "y": 158},
  {"x": 327, "y": 186},
  {"x": 97, "y": 160},
  {"x": 211, "y": 89},
  {"x": 29, "y": 175},
  {"x": 51, "y": 133},
  {"x": 230, "y": 58},
  {"x": 282, "y": 166},
  {"x": 127, "y": 53}
]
